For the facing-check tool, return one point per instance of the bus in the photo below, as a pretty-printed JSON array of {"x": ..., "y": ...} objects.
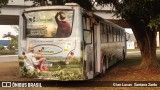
[{"x": 67, "y": 43}]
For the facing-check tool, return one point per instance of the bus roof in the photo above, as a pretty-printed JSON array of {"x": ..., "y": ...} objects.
[
  {"x": 58, "y": 7},
  {"x": 106, "y": 21}
]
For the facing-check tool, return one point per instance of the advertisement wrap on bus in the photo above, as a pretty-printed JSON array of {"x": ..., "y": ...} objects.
[{"x": 50, "y": 53}]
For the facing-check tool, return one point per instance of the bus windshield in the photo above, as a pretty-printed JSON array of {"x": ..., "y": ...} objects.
[{"x": 48, "y": 24}]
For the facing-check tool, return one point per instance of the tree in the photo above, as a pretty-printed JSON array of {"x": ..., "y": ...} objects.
[
  {"x": 2, "y": 47},
  {"x": 3, "y": 2},
  {"x": 143, "y": 16},
  {"x": 14, "y": 41}
]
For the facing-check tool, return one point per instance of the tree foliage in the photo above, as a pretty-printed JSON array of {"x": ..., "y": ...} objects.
[
  {"x": 14, "y": 40},
  {"x": 146, "y": 11},
  {"x": 3, "y": 2}
]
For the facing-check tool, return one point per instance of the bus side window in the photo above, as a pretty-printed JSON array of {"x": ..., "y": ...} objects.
[
  {"x": 123, "y": 36},
  {"x": 113, "y": 34},
  {"x": 88, "y": 23},
  {"x": 84, "y": 23},
  {"x": 119, "y": 35},
  {"x": 87, "y": 29},
  {"x": 107, "y": 33},
  {"x": 87, "y": 37},
  {"x": 116, "y": 34},
  {"x": 110, "y": 34},
  {"x": 103, "y": 32}
]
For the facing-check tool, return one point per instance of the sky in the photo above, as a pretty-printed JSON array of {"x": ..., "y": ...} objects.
[
  {"x": 4, "y": 29},
  {"x": 129, "y": 30}
]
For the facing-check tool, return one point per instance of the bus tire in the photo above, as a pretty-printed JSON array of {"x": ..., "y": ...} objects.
[
  {"x": 123, "y": 55},
  {"x": 107, "y": 62},
  {"x": 104, "y": 67}
]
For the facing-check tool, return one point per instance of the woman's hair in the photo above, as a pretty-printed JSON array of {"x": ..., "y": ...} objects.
[{"x": 62, "y": 15}]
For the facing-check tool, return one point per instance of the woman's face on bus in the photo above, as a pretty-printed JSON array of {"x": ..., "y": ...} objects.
[{"x": 31, "y": 48}]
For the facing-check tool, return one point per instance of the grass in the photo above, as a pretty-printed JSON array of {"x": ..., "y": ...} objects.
[
  {"x": 8, "y": 52},
  {"x": 131, "y": 61},
  {"x": 131, "y": 50},
  {"x": 136, "y": 49}
]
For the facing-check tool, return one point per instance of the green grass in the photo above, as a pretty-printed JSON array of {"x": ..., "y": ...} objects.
[
  {"x": 131, "y": 50},
  {"x": 158, "y": 58},
  {"x": 131, "y": 61},
  {"x": 137, "y": 49},
  {"x": 158, "y": 48},
  {"x": 8, "y": 52}
]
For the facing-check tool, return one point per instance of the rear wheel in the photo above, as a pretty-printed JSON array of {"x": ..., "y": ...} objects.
[
  {"x": 123, "y": 55},
  {"x": 104, "y": 65}
]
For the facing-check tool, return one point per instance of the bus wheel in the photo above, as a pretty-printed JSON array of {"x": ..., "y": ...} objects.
[
  {"x": 123, "y": 55},
  {"x": 104, "y": 66}
]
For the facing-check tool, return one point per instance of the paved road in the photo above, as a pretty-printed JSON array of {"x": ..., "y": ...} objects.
[{"x": 8, "y": 58}]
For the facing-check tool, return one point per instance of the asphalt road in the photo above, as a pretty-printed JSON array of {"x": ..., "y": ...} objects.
[{"x": 8, "y": 58}]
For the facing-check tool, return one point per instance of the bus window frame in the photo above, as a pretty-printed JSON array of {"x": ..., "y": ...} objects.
[
  {"x": 84, "y": 17},
  {"x": 25, "y": 22},
  {"x": 90, "y": 31},
  {"x": 24, "y": 26},
  {"x": 107, "y": 34}
]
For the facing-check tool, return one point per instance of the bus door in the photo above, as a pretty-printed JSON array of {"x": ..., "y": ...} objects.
[
  {"x": 88, "y": 49},
  {"x": 97, "y": 52}
]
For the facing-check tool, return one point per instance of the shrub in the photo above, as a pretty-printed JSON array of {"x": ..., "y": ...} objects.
[
  {"x": 2, "y": 48},
  {"x": 7, "y": 52}
]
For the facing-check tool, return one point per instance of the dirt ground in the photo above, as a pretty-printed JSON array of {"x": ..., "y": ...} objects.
[{"x": 9, "y": 72}]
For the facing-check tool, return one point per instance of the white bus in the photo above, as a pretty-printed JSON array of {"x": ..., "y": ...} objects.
[{"x": 67, "y": 43}]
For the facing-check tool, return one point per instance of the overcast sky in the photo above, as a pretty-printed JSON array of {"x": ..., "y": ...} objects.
[
  {"x": 4, "y": 29},
  {"x": 129, "y": 30}
]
